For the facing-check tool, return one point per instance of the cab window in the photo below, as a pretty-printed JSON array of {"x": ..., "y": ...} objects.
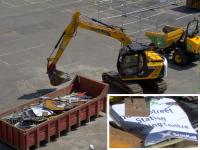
[{"x": 132, "y": 64}]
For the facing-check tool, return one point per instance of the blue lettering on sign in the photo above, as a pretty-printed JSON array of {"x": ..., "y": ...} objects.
[{"x": 163, "y": 135}]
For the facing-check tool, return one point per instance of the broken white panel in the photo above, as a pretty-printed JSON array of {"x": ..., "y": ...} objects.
[
  {"x": 39, "y": 111},
  {"x": 166, "y": 120}
]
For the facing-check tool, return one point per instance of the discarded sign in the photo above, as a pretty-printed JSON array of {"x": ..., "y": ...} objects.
[
  {"x": 40, "y": 111},
  {"x": 166, "y": 120}
]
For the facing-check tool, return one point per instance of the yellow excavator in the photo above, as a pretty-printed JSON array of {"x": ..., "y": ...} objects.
[
  {"x": 138, "y": 65},
  {"x": 184, "y": 44}
]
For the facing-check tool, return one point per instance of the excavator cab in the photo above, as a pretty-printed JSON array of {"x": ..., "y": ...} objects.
[{"x": 132, "y": 60}]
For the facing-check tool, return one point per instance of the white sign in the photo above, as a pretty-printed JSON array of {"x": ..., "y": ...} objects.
[{"x": 166, "y": 120}]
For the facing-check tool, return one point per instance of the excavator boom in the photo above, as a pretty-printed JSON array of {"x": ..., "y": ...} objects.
[
  {"x": 58, "y": 77},
  {"x": 136, "y": 63}
]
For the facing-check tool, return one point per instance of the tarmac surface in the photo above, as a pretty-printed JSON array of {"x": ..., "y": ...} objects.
[{"x": 29, "y": 29}]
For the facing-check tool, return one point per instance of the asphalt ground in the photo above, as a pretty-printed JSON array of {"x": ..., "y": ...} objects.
[{"x": 29, "y": 29}]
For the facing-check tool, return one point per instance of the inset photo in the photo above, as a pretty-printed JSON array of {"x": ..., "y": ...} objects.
[{"x": 153, "y": 121}]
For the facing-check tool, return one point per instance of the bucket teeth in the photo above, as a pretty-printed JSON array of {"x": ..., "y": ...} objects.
[{"x": 58, "y": 77}]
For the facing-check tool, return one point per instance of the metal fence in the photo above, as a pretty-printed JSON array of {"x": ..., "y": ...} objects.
[
  {"x": 136, "y": 16},
  {"x": 129, "y": 13}
]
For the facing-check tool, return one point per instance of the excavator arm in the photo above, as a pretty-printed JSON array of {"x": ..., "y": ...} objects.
[
  {"x": 57, "y": 77},
  {"x": 102, "y": 28},
  {"x": 136, "y": 62}
]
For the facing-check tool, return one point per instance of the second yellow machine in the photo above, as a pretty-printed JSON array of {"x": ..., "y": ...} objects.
[
  {"x": 138, "y": 65},
  {"x": 183, "y": 44}
]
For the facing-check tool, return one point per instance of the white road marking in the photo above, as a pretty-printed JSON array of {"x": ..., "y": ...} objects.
[
  {"x": 145, "y": 29},
  {"x": 40, "y": 9},
  {"x": 173, "y": 13},
  {"x": 23, "y": 50},
  {"x": 158, "y": 6},
  {"x": 36, "y": 2},
  {"x": 150, "y": 28},
  {"x": 28, "y": 61},
  {"x": 21, "y": 63},
  {"x": 129, "y": 3},
  {"x": 143, "y": 18},
  {"x": 66, "y": 10},
  {"x": 27, "y": 1},
  {"x": 68, "y": 3},
  {"x": 140, "y": 30},
  {"x": 183, "y": 16},
  {"x": 21, "y": 38},
  {"x": 4, "y": 62},
  {"x": 10, "y": 5},
  {"x": 110, "y": 46}
]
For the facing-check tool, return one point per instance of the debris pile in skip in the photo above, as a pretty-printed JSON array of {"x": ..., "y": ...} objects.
[{"x": 47, "y": 108}]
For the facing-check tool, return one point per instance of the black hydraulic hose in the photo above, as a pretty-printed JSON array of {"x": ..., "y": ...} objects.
[
  {"x": 95, "y": 20},
  {"x": 55, "y": 47},
  {"x": 59, "y": 40}
]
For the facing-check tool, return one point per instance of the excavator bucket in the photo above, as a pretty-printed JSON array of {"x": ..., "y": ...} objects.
[{"x": 58, "y": 77}]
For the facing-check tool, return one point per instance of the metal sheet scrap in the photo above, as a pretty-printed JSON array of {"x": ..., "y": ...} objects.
[{"x": 45, "y": 109}]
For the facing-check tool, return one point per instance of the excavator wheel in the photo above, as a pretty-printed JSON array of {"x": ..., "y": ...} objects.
[
  {"x": 180, "y": 58},
  {"x": 158, "y": 86},
  {"x": 113, "y": 78},
  {"x": 106, "y": 76},
  {"x": 135, "y": 88}
]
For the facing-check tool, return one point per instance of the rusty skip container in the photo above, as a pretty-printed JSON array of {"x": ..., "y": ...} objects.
[
  {"x": 24, "y": 139},
  {"x": 193, "y": 4}
]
